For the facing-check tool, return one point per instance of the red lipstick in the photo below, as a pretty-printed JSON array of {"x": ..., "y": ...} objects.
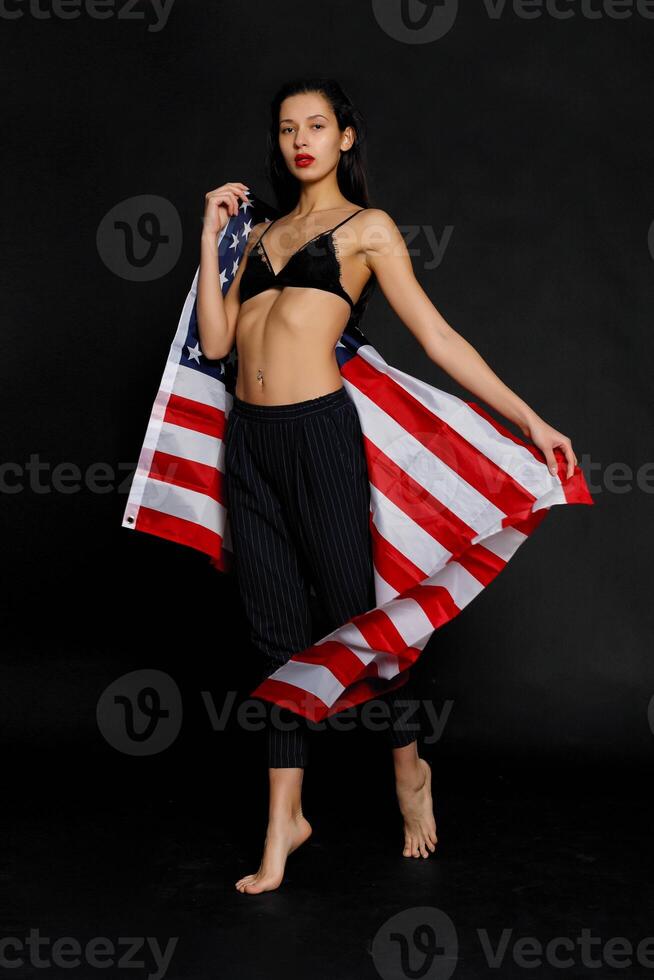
[{"x": 303, "y": 159}]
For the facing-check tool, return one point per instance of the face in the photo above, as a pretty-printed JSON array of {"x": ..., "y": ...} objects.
[{"x": 309, "y": 137}]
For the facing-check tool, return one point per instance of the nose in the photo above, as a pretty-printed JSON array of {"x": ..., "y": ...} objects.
[{"x": 300, "y": 140}]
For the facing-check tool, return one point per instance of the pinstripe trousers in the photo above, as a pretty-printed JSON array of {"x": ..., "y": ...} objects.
[{"x": 298, "y": 499}]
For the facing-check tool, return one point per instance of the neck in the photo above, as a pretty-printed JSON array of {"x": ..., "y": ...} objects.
[{"x": 321, "y": 195}]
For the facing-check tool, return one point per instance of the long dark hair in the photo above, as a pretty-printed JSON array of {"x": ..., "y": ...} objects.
[{"x": 351, "y": 170}]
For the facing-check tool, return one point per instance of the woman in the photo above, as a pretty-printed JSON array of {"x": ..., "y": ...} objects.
[{"x": 293, "y": 445}]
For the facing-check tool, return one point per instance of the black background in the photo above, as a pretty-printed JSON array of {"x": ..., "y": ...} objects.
[{"x": 531, "y": 140}]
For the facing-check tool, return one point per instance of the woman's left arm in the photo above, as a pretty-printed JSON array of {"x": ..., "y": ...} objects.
[{"x": 386, "y": 255}]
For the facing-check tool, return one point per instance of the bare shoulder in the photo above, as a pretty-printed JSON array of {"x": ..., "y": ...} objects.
[
  {"x": 379, "y": 232},
  {"x": 257, "y": 230}
]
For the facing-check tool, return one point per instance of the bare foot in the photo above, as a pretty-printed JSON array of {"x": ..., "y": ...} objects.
[
  {"x": 416, "y": 806},
  {"x": 283, "y": 836}
]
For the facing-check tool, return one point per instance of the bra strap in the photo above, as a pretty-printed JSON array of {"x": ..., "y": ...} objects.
[
  {"x": 266, "y": 230},
  {"x": 327, "y": 231},
  {"x": 348, "y": 218}
]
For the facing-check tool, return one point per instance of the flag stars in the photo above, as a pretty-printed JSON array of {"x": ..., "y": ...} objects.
[
  {"x": 194, "y": 352},
  {"x": 223, "y": 278},
  {"x": 234, "y": 241}
]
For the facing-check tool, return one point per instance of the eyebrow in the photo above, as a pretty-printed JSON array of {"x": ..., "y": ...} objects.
[{"x": 314, "y": 116}]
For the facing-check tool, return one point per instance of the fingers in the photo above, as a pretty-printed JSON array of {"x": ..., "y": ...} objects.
[
  {"x": 228, "y": 195},
  {"x": 570, "y": 458},
  {"x": 559, "y": 441}
]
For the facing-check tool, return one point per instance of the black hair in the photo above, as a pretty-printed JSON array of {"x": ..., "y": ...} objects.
[{"x": 351, "y": 170}]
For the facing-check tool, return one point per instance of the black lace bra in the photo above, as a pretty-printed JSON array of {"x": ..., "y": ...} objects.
[{"x": 318, "y": 268}]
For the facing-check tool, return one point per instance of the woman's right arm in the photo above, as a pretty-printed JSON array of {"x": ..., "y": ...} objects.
[{"x": 216, "y": 315}]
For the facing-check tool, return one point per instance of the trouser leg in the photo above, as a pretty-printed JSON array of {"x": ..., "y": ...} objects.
[
  {"x": 270, "y": 578},
  {"x": 404, "y": 721}
]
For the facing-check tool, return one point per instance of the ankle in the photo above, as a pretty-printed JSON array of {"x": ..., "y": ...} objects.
[
  {"x": 410, "y": 772},
  {"x": 285, "y": 814}
]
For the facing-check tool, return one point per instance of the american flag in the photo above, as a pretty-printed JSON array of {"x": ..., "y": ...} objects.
[{"x": 453, "y": 495}]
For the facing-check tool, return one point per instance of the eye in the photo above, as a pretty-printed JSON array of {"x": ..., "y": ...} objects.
[{"x": 319, "y": 125}]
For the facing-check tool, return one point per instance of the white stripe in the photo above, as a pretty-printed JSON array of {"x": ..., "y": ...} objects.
[
  {"x": 503, "y": 543},
  {"x": 514, "y": 459},
  {"x": 409, "y": 619},
  {"x": 423, "y": 466},
  {"x": 184, "y": 503},
  {"x": 203, "y": 388},
  {"x": 313, "y": 678},
  {"x": 190, "y": 444},
  {"x": 405, "y": 534}
]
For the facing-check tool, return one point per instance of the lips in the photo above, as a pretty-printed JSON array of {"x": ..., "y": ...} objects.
[{"x": 303, "y": 159}]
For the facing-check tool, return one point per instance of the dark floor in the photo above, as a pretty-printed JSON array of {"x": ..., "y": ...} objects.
[{"x": 542, "y": 857}]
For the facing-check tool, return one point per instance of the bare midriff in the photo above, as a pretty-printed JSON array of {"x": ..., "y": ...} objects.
[{"x": 289, "y": 335}]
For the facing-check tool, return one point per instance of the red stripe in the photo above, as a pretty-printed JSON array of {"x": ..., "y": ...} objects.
[
  {"x": 482, "y": 563},
  {"x": 190, "y": 474},
  {"x": 393, "y": 566},
  {"x": 431, "y": 514},
  {"x": 437, "y": 436},
  {"x": 191, "y": 414},
  {"x": 309, "y": 706},
  {"x": 224, "y": 562},
  {"x": 341, "y": 661},
  {"x": 380, "y": 632},
  {"x": 179, "y": 530}
]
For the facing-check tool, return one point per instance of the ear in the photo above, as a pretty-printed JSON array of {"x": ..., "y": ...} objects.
[{"x": 349, "y": 135}]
